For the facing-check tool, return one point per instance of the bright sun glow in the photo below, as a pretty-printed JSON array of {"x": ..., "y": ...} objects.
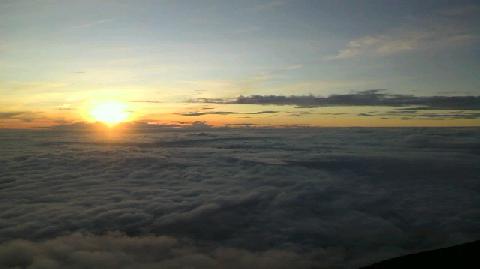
[{"x": 110, "y": 113}]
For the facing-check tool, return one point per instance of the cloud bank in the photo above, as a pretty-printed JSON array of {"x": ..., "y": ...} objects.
[
  {"x": 234, "y": 198},
  {"x": 119, "y": 251},
  {"x": 375, "y": 97}
]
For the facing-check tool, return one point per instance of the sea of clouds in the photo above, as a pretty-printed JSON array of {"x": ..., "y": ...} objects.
[{"x": 234, "y": 198}]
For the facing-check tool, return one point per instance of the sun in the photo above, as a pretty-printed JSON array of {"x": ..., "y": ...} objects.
[{"x": 110, "y": 113}]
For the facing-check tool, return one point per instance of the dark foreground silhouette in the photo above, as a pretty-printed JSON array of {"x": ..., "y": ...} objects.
[{"x": 460, "y": 256}]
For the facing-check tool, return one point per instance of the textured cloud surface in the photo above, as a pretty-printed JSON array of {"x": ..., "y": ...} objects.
[
  {"x": 117, "y": 251},
  {"x": 234, "y": 198}
]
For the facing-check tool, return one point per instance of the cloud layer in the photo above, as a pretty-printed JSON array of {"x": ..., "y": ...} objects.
[
  {"x": 219, "y": 197},
  {"x": 119, "y": 251}
]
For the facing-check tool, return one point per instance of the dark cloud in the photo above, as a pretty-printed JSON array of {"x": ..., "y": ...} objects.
[
  {"x": 423, "y": 114},
  {"x": 25, "y": 116},
  {"x": 362, "y": 98},
  {"x": 240, "y": 124},
  {"x": 234, "y": 198},
  {"x": 196, "y": 113},
  {"x": 263, "y": 112},
  {"x": 10, "y": 115},
  {"x": 120, "y": 251},
  {"x": 303, "y": 113}
]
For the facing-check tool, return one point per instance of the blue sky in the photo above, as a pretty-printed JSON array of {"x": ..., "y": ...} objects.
[{"x": 175, "y": 50}]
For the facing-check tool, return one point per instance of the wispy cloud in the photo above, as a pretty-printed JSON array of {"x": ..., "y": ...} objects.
[
  {"x": 403, "y": 41},
  {"x": 26, "y": 116},
  {"x": 9, "y": 115},
  {"x": 93, "y": 23},
  {"x": 460, "y": 11},
  {"x": 441, "y": 30},
  {"x": 147, "y": 101},
  {"x": 33, "y": 86},
  {"x": 273, "y": 4}
]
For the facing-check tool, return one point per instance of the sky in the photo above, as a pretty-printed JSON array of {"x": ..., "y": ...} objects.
[{"x": 178, "y": 62}]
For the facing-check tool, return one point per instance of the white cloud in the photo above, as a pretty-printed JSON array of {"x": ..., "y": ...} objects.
[
  {"x": 273, "y": 198},
  {"x": 389, "y": 44},
  {"x": 93, "y": 23},
  {"x": 270, "y": 5},
  {"x": 444, "y": 29}
]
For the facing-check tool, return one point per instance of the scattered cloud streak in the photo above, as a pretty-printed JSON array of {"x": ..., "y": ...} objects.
[
  {"x": 26, "y": 116},
  {"x": 196, "y": 113}
]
